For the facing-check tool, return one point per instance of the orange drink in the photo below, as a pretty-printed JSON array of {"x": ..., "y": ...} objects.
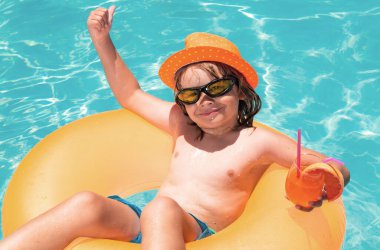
[{"x": 314, "y": 178}]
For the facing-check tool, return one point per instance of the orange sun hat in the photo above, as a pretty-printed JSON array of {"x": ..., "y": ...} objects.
[{"x": 201, "y": 47}]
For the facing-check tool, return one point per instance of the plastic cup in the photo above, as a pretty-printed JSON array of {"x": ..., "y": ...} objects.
[{"x": 308, "y": 186}]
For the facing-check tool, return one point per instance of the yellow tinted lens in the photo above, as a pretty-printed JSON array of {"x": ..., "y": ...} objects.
[
  {"x": 188, "y": 95},
  {"x": 219, "y": 87}
]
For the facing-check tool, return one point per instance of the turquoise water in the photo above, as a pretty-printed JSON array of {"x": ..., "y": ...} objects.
[{"x": 318, "y": 63}]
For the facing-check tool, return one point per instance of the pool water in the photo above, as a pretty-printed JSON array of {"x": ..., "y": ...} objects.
[{"x": 318, "y": 65}]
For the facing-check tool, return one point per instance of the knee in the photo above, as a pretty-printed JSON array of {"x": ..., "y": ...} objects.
[
  {"x": 161, "y": 207},
  {"x": 88, "y": 205}
]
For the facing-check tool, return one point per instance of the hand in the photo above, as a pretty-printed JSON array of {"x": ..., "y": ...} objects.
[
  {"x": 314, "y": 204},
  {"x": 99, "y": 23}
]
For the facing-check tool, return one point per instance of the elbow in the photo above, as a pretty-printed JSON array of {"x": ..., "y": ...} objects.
[
  {"x": 129, "y": 99},
  {"x": 123, "y": 102}
]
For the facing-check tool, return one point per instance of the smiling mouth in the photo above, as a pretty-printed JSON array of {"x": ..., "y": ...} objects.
[{"x": 210, "y": 112}]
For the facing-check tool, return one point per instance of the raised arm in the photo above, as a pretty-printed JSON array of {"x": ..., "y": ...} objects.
[{"x": 124, "y": 85}]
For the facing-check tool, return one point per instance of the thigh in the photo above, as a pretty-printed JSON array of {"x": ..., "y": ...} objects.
[{"x": 102, "y": 217}]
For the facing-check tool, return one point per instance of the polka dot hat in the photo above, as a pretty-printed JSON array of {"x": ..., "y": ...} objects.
[{"x": 206, "y": 47}]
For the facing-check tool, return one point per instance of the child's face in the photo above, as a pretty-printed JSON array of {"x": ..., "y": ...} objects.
[{"x": 210, "y": 112}]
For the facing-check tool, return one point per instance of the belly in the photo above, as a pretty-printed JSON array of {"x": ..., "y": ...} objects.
[{"x": 217, "y": 206}]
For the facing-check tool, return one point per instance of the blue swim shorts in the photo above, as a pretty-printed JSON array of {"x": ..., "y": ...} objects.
[{"x": 206, "y": 231}]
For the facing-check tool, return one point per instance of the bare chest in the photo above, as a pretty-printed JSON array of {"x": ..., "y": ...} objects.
[{"x": 228, "y": 166}]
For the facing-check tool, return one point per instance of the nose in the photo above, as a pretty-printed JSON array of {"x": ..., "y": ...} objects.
[{"x": 205, "y": 100}]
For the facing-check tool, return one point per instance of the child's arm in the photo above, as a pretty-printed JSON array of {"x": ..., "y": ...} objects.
[
  {"x": 124, "y": 85},
  {"x": 283, "y": 150}
]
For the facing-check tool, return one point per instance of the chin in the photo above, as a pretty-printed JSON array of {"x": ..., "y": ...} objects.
[{"x": 210, "y": 123}]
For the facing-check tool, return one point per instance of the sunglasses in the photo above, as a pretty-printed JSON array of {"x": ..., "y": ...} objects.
[{"x": 215, "y": 88}]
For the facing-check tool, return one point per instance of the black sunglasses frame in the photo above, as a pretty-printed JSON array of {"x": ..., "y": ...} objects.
[{"x": 204, "y": 89}]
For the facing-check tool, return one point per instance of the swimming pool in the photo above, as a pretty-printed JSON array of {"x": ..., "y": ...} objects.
[{"x": 318, "y": 65}]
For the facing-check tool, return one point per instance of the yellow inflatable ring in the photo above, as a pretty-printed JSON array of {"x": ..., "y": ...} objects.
[{"x": 118, "y": 152}]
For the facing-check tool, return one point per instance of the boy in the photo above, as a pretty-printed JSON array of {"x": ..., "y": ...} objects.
[{"x": 217, "y": 160}]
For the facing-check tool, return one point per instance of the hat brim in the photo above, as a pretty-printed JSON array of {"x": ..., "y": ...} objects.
[{"x": 208, "y": 54}]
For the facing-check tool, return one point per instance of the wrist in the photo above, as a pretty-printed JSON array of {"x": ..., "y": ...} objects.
[{"x": 101, "y": 40}]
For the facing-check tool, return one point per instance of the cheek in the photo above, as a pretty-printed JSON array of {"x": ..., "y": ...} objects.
[
  {"x": 231, "y": 103},
  {"x": 232, "y": 99},
  {"x": 190, "y": 109},
  {"x": 233, "y": 108}
]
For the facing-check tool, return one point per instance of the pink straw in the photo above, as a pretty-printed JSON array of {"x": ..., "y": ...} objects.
[{"x": 298, "y": 152}]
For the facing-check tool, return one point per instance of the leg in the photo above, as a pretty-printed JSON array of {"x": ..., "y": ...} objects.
[
  {"x": 85, "y": 214},
  {"x": 165, "y": 225}
]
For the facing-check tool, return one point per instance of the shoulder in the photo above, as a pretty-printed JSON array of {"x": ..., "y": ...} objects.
[
  {"x": 262, "y": 134},
  {"x": 269, "y": 135},
  {"x": 256, "y": 139},
  {"x": 268, "y": 140}
]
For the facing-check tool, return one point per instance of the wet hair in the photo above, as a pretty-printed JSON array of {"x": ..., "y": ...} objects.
[{"x": 248, "y": 107}]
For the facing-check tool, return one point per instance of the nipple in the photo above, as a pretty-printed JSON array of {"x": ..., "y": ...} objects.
[{"x": 230, "y": 173}]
